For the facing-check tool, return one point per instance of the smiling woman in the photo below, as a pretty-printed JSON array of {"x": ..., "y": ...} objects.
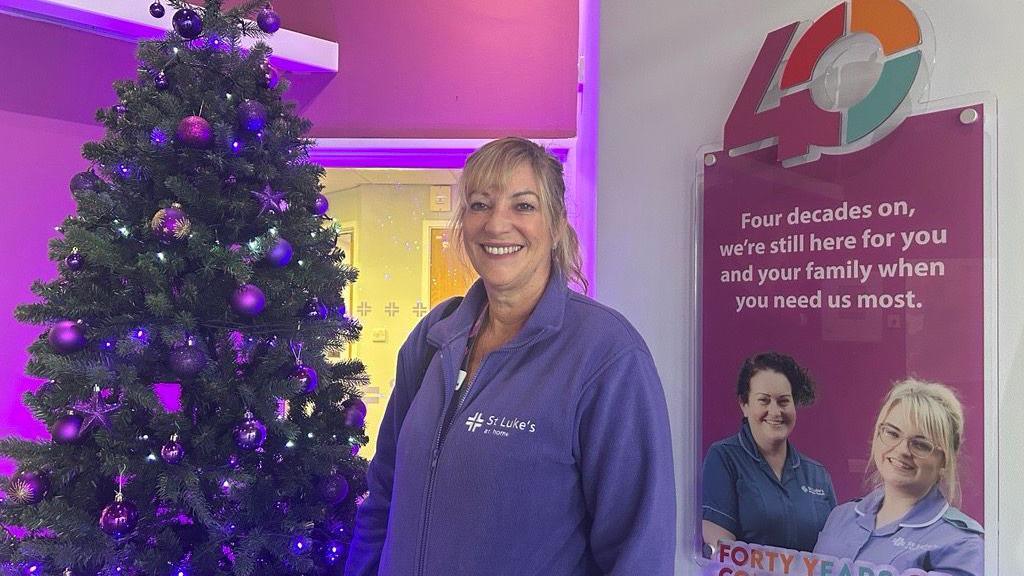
[
  {"x": 501, "y": 450},
  {"x": 909, "y": 520},
  {"x": 757, "y": 488}
]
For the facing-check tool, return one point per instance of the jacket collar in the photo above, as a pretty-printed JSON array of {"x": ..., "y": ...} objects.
[
  {"x": 750, "y": 447},
  {"x": 925, "y": 512},
  {"x": 547, "y": 315}
]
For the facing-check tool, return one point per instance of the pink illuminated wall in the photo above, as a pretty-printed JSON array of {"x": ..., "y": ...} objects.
[{"x": 437, "y": 69}]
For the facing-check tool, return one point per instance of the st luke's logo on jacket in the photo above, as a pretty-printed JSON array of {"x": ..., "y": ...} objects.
[{"x": 502, "y": 426}]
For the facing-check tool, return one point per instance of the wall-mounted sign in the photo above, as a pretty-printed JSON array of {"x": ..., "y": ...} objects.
[{"x": 846, "y": 304}]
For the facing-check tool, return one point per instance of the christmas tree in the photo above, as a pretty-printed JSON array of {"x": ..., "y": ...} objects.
[{"x": 201, "y": 255}]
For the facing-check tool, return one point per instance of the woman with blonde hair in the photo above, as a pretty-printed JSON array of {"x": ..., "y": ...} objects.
[
  {"x": 910, "y": 520},
  {"x": 527, "y": 433}
]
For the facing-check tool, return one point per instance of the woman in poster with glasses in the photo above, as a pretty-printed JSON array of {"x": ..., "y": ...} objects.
[
  {"x": 757, "y": 487},
  {"x": 909, "y": 520}
]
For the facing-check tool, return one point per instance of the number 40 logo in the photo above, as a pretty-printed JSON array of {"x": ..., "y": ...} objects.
[{"x": 850, "y": 79}]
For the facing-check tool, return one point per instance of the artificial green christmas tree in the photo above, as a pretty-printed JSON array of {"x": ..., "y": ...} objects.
[{"x": 201, "y": 255}]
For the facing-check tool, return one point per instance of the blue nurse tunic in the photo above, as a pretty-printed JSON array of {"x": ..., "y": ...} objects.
[
  {"x": 932, "y": 536},
  {"x": 743, "y": 495}
]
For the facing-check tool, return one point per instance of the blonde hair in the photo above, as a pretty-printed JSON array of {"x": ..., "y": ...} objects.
[
  {"x": 491, "y": 167},
  {"x": 935, "y": 409}
]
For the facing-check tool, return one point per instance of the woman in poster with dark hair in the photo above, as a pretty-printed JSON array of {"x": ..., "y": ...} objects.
[
  {"x": 757, "y": 488},
  {"x": 909, "y": 520}
]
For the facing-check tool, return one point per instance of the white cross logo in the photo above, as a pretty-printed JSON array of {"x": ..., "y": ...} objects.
[{"x": 475, "y": 421}]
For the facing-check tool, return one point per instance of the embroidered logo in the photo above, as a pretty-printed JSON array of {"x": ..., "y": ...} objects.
[
  {"x": 501, "y": 426},
  {"x": 813, "y": 491},
  {"x": 475, "y": 421},
  {"x": 901, "y": 542}
]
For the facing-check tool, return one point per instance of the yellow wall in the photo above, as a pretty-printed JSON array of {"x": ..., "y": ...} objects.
[{"x": 390, "y": 252}]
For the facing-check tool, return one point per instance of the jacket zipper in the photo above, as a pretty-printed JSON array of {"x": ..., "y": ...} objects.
[
  {"x": 434, "y": 456},
  {"x": 438, "y": 442}
]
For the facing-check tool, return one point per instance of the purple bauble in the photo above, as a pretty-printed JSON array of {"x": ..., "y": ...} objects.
[
  {"x": 321, "y": 205},
  {"x": 74, "y": 261},
  {"x": 28, "y": 487},
  {"x": 160, "y": 81},
  {"x": 270, "y": 77},
  {"x": 354, "y": 412},
  {"x": 84, "y": 181},
  {"x": 187, "y": 23},
  {"x": 67, "y": 429},
  {"x": 187, "y": 361},
  {"x": 280, "y": 253},
  {"x": 334, "y": 488},
  {"x": 195, "y": 132},
  {"x": 248, "y": 300},
  {"x": 314, "y": 309},
  {"x": 172, "y": 452},
  {"x": 119, "y": 518},
  {"x": 156, "y": 10},
  {"x": 307, "y": 377},
  {"x": 341, "y": 311},
  {"x": 252, "y": 116},
  {"x": 67, "y": 336},
  {"x": 250, "y": 434},
  {"x": 170, "y": 224},
  {"x": 268, "y": 20}
]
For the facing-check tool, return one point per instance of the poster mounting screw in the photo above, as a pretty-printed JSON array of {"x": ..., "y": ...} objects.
[{"x": 968, "y": 116}]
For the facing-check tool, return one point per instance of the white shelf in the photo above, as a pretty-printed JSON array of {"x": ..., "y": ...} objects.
[{"x": 130, "y": 20}]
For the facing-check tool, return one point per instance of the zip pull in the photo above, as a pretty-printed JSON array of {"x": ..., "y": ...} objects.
[{"x": 460, "y": 380}]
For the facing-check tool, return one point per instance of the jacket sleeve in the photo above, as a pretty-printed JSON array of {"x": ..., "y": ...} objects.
[
  {"x": 625, "y": 461},
  {"x": 371, "y": 524}
]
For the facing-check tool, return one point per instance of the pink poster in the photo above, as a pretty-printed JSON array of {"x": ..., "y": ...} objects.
[{"x": 843, "y": 327}]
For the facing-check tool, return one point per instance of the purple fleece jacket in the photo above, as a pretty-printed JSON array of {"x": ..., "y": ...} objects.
[{"x": 557, "y": 463}]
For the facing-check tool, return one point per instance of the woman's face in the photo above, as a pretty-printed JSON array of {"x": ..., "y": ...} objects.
[
  {"x": 769, "y": 408},
  {"x": 506, "y": 234},
  {"x": 900, "y": 449}
]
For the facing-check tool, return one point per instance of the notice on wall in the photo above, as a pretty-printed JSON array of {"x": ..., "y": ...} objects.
[{"x": 863, "y": 270}]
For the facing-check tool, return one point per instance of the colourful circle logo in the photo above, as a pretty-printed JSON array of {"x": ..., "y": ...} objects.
[{"x": 826, "y": 98}]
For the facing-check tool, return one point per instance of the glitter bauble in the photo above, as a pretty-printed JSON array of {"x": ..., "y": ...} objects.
[
  {"x": 268, "y": 21},
  {"x": 28, "y": 487},
  {"x": 194, "y": 132},
  {"x": 280, "y": 253},
  {"x": 172, "y": 452},
  {"x": 248, "y": 300},
  {"x": 314, "y": 309},
  {"x": 67, "y": 336},
  {"x": 170, "y": 224},
  {"x": 119, "y": 518},
  {"x": 74, "y": 261},
  {"x": 187, "y": 23},
  {"x": 187, "y": 361},
  {"x": 252, "y": 116},
  {"x": 307, "y": 377},
  {"x": 250, "y": 434},
  {"x": 334, "y": 488}
]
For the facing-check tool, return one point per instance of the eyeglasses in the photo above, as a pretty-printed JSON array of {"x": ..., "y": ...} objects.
[{"x": 920, "y": 446}]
